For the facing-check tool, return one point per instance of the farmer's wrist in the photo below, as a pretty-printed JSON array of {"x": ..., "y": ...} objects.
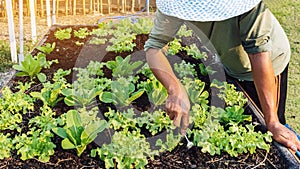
[
  {"x": 272, "y": 123},
  {"x": 174, "y": 88}
]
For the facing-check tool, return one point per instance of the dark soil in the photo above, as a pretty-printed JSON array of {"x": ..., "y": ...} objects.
[{"x": 70, "y": 55}]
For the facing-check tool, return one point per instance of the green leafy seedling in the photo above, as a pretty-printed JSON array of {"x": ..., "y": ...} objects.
[
  {"x": 81, "y": 33},
  {"x": 47, "y": 49},
  {"x": 122, "y": 93},
  {"x": 31, "y": 66},
  {"x": 77, "y": 136},
  {"x": 63, "y": 34},
  {"x": 122, "y": 67}
]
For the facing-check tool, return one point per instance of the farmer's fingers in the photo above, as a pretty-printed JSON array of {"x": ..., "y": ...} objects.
[
  {"x": 173, "y": 110},
  {"x": 184, "y": 122},
  {"x": 170, "y": 114},
  {"x": 292, "y": 141},
  {"x": 288, "y": 139},
  {"x": 177, "y": 118}
]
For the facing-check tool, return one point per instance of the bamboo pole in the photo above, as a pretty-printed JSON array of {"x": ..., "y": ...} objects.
[
  {"x": 91, "y": 5},
  {"x": 33, "y": 21},
  {"x": 125, "y": 5},
  {"x": 98, "y": 5},
  {"x": 132, "y": 5},
  {"x": 5, "y": 9},
  {"x": 35, "y": 7},
  {"x": 42, "y": 8},
  {"x": 48, "y": 13},
  {"x": 27, "y": 8},
  {"x": 74, "y": 7},
  {"x": 109, "y": 6},
  {"x": 101, "y": 7},
  {"x": 21, "y": 37},
  {"x": 2, "y": 8},
  {"x": 83, "y": 5},
  {"x": 122, "y": 10},
  {"x": 67, "y": 7},
  {"x": 12, "y": 37},
  {"x": 118, "y": 5}
]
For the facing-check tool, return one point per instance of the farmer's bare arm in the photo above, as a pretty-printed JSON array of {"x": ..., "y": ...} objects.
[
  {"x": 264, "y": 80},
  {"x": 177, "y": 103}
]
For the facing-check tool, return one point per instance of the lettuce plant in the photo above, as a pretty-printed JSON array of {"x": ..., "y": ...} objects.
[
  {"x": 87, "y": 87},
  {"x": 122, "y": 67},
  {"x": 80, "y": 96},
  {"x": 174, "y": 47},
  {"x": 97, "y": 41},
  {"x": 81, "y": 33},
  {"x": 234, "y": 114},
  {"x": 156, "y": 92},
  {"x": 47, "y": 49},
  {"x": 11, "y": 113},
  {"x": 213, "y": 138},
  {"x": 142, "y": 26},
  {"x": 63, "y": 34},
  {"x": 6, "y": 145},
  {"x": 37, "y": 141},
  {"x": 99, "y": 32},
  {"x": 193, "y": 50},
  {"x": 184, "y": 32},
  {"x": 122, "y": 92},
  {"x": 229, "y": 94},
  {"x": 126, "y": 150},
  {"x": 184, "y": 69},
  {"x": 51, "y": 93},
  {"x": 76, "y": 135},
  {"x": 32, "y": 65},
  {"x": 155, "y": 122},
  {"x": 125, "y": 120},
  {"x": 196, "y": 92},
  {"x": 122, "y": 42}
]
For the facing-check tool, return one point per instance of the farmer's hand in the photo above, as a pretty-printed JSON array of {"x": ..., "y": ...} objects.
[
  {"x": 284, "y": 136},
  {"x": 178, "y": 107}
]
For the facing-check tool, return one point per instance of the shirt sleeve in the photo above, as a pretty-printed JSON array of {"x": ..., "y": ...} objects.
[
  {"x": 164, "y": 29},
  {"x": 255, "y": 29}
]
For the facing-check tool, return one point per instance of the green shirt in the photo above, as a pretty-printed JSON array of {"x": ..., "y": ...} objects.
[{"x": 252, "y": 32}]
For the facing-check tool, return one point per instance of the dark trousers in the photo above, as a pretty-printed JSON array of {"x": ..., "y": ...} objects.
[{"x": 281, "y": 84}]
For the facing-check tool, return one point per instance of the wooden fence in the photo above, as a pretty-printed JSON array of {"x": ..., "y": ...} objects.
[{"x": 81, "y": 7}]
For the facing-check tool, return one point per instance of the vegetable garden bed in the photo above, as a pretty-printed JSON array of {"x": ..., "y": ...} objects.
[{"x": 110, "y": 112}]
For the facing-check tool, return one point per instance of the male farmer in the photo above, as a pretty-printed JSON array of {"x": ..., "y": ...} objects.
[{"x": 252, "y": 47}]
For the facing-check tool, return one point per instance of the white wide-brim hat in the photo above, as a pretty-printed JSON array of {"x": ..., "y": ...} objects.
[{"x": 205, "y": 10}]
